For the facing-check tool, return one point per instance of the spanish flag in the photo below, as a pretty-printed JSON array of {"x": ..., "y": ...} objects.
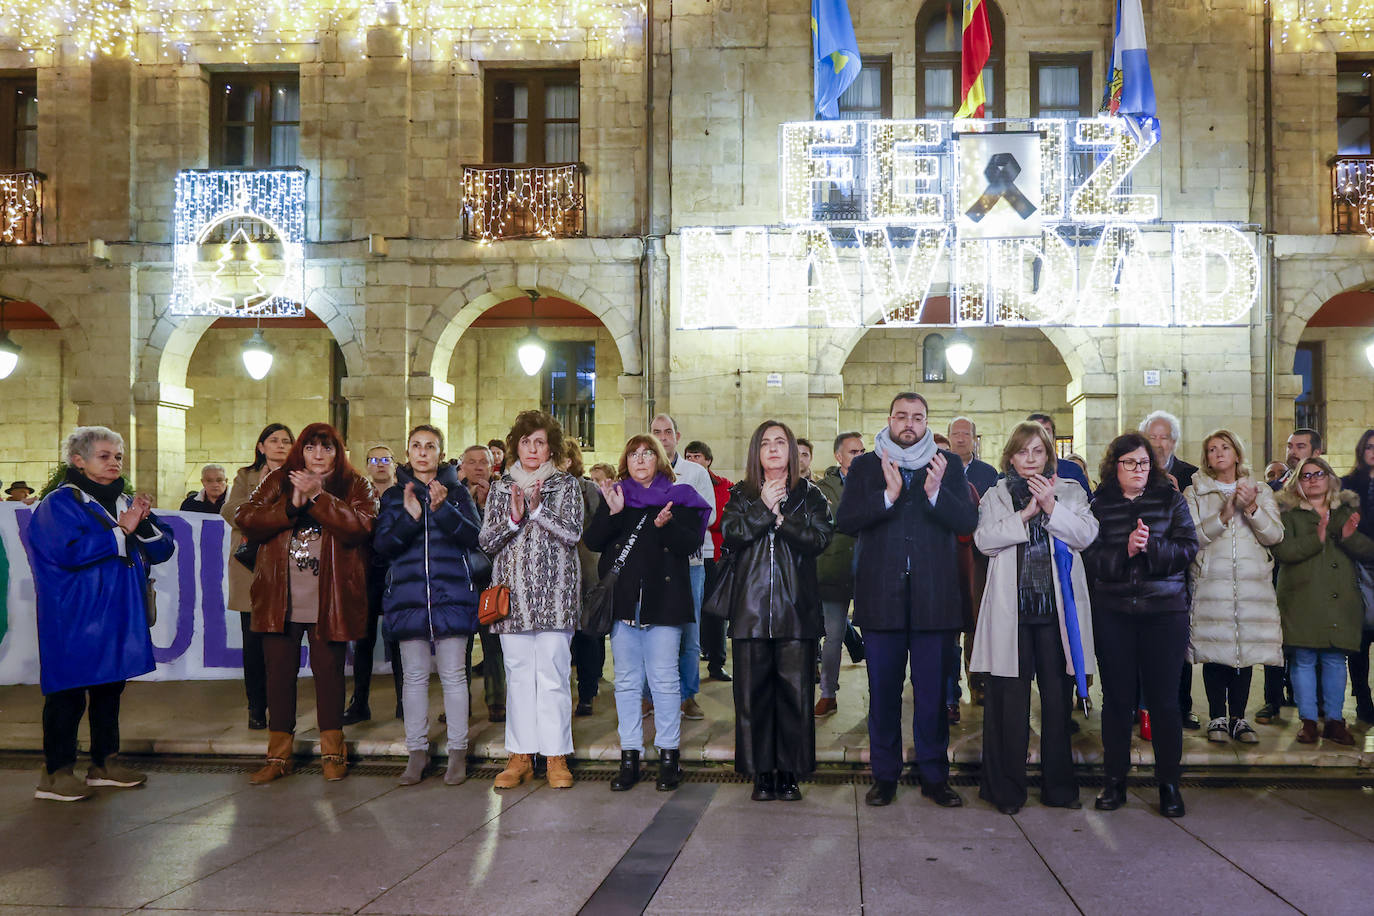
[{"x": 976, "y": 48}]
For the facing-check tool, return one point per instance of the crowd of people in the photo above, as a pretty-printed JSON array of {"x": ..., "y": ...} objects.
[{"x": 1047, "y": 579}]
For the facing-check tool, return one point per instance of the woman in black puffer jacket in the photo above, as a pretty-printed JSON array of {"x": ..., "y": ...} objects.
[
  {"x": 1137, "y": 572},
  {"x": 1361, "y": 481},
  {"x": 426, "y": 527},
  {"x": 776, "y": 522}
]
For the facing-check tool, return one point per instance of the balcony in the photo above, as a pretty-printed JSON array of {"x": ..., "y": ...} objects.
[
  {"x": 524, "y": 202},
  {"x": 1352, "y": 194},
  {"x": 21, "y": 208}
]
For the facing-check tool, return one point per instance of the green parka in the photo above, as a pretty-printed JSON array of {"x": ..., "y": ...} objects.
[
  {"x": 1319, "y": 596},
  {"x": 835, "y": 567}
]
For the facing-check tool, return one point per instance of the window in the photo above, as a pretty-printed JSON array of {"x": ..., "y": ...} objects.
[
  {"x": 1061, "y": 85},
  {"x": 938, "y": 40},
  {"x": 933, "y": 358},
  {"x": 19, "y": 123},
  {"x": 1063, "y": 446},
  {"x": 1354, "y": 112},
  {"x": 532, "y": 116},
  {"x": 569, "y": 388},
  {"x": 870, "y": 96},
  {"x": 1309, "y": 409},
  {"x": 255, "y": 119}
]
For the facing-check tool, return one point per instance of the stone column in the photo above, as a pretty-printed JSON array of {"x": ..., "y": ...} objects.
[
  {"x": 430, "y": 399},
  {"x": 1096, "y": 419},
  {"x": 823, "y": 416},
  {"x": 160, "y": 453}
]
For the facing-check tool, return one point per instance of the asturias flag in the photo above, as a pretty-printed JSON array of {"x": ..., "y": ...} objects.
[
  {"x": 836, "y": 50},
  {"x": 1130, "y": 90},
  {"x": 975, "y": 51}
]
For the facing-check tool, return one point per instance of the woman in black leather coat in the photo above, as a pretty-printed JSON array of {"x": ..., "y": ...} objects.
[
  {"x": 776, "y": 523},
  {"x": 1137, "y": 581}
]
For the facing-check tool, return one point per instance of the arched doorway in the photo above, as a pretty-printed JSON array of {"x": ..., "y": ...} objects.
[
  {"x": 578, "y": 382},
  {"x": 1335, "y": 374},
  {"x": 1015, "y": 372},
  {"x": 36, "y": 408}
]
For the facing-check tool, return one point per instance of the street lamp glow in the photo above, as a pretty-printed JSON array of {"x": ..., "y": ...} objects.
[
  {"x": 9, "y": 354},
  {"x": 531, "y": 353},
  {"x": 257, "y": 356},
  {"x": 1368, "y": 354},
  {"x": 959, "y": 353}
]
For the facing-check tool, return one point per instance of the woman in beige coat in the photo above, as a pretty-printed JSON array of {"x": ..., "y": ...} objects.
[
  {"x": 274, "y": 444},
  {"x": 1021, "y": 633},
  {"x": 1235, "y": 615}
]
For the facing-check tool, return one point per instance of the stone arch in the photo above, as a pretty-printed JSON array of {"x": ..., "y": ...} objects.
[
  {"x": 74, "y": 335},
  {"x": 447, "y": 322},
  {"x": 1292, "y": 321},
  {"x": 173, "y": 340}
]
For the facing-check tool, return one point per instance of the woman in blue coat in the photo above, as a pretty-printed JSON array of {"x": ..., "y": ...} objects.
[
  {"x": 427, "y": 525},
  {"x": 91, "y": 546}
]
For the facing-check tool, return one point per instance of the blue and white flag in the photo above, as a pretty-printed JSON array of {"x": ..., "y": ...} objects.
[
  {"x": 1130, "y": 90},
  {"x": 836, "y": 50}
]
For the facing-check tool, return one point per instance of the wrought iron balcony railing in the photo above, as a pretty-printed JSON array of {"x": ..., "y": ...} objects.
[
  {"x": 524, "y": 202},
  {"x": 1352, "y": 194},
  {"x": 21, "y": 207}
]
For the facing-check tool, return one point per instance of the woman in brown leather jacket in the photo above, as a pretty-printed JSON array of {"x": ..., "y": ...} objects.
[
  {"x": 776, "y": 523},
  {"x": 313, "y": 517}
]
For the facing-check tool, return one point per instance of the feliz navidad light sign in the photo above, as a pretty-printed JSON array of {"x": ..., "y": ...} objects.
[{"x": 1029, "y": 222}]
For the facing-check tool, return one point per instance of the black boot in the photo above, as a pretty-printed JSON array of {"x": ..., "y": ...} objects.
[
  {"x": 357, "y": 711},
  {"x": 854, "y": 643},
  {"x": 764, "y": 788},
  {"x": 669, "y": 770},
  {"x": 257, "y": 719},
  {"x": 1170, "y": 800},
  {"x": 788, "y": 790},
  {"x": 629, "y": 772},
  {"x": 1113, "y": 795}
]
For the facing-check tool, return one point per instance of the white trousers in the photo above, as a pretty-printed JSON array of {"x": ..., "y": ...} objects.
[
  {"x": 538, "y": 692},
  {"x": 450, "y": 657}
]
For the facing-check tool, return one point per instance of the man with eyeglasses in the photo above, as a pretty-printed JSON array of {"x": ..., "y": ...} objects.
[
  {"x": 381, "y": 472},
  {"x": 905, "y": 503}
]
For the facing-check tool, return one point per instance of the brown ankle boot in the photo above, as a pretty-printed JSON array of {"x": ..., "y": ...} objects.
[
  {"x": 333, "y": 754},
  {"x": 559, "y": 776},
  {"x": 1337, "y": 733},
  {"x": 278, "y": 759},
  {"x": 518, "y": 769},
  {"x": 1308, "y": 733}
]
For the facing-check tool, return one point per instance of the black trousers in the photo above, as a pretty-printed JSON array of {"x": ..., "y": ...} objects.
[
  {"x": 283, "y": 652},
  {"x": 1138, "y": 652},
  {"x": 589, "y": 657},
  {"x": 1006, "y": 723},
  {"x": 1228, "y": 690},
  {"x": 363, "y": 651},
  {"x": 254, "y": 666},
  {"x": 1185, "y": 689},
  {"x": 62, "y": 713},
  {"x": 1359, "y": 674},
  {"x": 712, "y": 629},
  {"x": 775, "y": 687}
]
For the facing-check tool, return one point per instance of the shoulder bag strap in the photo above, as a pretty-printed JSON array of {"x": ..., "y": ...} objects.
[{"x": 629, "y": 545}]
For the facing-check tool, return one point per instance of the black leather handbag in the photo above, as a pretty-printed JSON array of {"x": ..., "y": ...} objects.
[
  {"x": 247, "y": 553},
  {"x": 598, "y": 608}
]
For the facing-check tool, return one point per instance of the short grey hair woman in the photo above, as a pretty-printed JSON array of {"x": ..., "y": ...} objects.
[{"x": 92, "y": 544}]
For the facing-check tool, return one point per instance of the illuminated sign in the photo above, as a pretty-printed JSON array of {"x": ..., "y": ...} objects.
[{"x": 1016, "y": 222}]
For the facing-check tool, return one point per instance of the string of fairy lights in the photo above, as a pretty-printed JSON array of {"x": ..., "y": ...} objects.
[
  {"x": 20, "y": 206},
  {"x": 1308, "y": 24},
  {"x": 534, "y": 201},
  {"x": 173, "y": 29}
]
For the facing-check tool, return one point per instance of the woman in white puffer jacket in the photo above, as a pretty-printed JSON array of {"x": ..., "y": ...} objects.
[{"x": 1235, "y": 618}]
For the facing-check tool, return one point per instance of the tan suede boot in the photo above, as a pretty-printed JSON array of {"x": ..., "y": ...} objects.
[
  {"x": 558, "y": 775},
  {"x": 279, "y": 762},
  {"x": 519, "y": 769},
  {"x": 333, "y": 754}
]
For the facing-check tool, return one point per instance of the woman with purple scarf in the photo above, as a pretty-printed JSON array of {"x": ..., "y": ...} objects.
[{"x": 661, "y": 524}]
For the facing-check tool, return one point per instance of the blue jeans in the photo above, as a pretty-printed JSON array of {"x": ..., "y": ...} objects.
[
  {"x": 689, "y": 661},
  {"x": 1304, "y": 674},
  {"x": 650, "y": 653},
  {"x": 836, "y": 615}
]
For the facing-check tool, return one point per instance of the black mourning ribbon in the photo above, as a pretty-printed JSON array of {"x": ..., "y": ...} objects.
[{"x": 1001, "y": 173}]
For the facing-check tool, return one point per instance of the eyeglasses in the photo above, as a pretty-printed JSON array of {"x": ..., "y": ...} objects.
[
  {"x": 379, "y": 459},
  {"x": 1313, "y": 475},
  {"x": 1134, "y": 464},
  {"x": 643, "y": 454}
]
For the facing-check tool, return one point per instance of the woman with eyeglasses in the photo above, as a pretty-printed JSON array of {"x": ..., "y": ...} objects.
[
  {"x": 1319, "y": 595},
  {"x": 274, "y": 444},
  {"x": 1137, "y": 582},
  {"x": 653, "y": 597}
]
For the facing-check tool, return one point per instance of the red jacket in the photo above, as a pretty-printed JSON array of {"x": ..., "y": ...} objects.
[{"x": 722, "y": 488}]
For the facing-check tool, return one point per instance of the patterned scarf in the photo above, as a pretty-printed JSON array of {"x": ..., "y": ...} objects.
[{"x": 1035, "y": 582}]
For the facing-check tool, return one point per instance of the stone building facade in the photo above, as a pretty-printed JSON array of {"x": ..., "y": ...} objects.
[{"x": 678, "y": 126}]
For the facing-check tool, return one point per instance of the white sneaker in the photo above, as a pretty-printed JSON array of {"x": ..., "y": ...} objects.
[
  {"x": 1242, "y": 732},
  {"x": 1219, "y": 730}
]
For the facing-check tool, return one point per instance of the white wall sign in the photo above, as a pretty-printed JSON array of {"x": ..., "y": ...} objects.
[{"x": 882, "y": 216}]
